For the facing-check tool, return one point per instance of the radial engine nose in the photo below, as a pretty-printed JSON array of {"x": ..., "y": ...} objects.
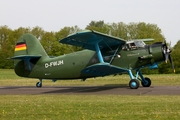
[{"x": 167, "y": 51}]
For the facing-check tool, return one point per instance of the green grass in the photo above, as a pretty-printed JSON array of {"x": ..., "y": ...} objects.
[
  {"x": 88, "y": 107},
  {"x": 9, "y": 78}
]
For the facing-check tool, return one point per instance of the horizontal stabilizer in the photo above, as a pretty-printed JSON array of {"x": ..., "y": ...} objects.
[
  {"x": 23, "y": 57},
  {"x": 102, "y": 69},
  {"x": 26, "y": 59}
]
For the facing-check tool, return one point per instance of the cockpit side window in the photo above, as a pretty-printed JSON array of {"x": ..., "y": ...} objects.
[
  {"x": 132, "y": 46},
  {"x": 129, "y": 46}
]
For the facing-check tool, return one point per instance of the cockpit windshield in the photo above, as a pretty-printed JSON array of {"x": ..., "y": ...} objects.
[
  {"x": 132, "y": 45},
  {"x": 139, "y": 44}
]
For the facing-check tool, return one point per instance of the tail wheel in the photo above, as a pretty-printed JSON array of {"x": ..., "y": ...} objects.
[
  {"x": 134, "y": 84},
  {"x": 38, "y": 84},
  {"x": 146, "y": 82}
]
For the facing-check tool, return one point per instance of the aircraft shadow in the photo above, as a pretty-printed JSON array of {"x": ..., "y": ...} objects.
[{"x": 86, "y": 89}]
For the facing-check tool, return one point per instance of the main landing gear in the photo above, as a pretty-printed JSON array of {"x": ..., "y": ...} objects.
[
  {"x": 134, "y": 83},
  {"x": 39, "y": 84}
]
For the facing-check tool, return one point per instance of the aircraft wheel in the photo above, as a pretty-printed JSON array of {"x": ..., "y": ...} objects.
[
  {"x": 134, "y": 84},
  {"x": 38, "y": 84},
  {"x": 146, "y": 82}
]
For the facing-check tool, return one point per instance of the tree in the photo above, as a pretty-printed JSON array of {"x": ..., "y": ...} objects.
[
  {"x": 64, "y": 49},
  {"x": 99, "y": 26},
  {"x": 119, "y": 30},
  {"x": 5, "y": 49},
  {"x": 38, "y": 32},
  {"x": 142, "y": 30},
  {"x": 50, "y": 44},
  {"x": 175, "y": 56}
]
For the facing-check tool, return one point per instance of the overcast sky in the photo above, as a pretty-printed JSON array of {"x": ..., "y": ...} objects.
[{"x": 53, "y": 15}]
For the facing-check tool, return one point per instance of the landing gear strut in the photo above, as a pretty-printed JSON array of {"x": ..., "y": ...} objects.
[
  {"x": 134, "y": 83},
  {"x": 39, "y": 84}
]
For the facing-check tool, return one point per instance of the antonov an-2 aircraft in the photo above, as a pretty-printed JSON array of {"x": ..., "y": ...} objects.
[{"x": 103, "y": 55}]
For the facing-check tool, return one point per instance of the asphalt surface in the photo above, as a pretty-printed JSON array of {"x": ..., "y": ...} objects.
[{"x": 93, "y": 90}]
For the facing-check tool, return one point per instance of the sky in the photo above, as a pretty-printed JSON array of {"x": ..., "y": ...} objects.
[{"x": 53, "y": 15}]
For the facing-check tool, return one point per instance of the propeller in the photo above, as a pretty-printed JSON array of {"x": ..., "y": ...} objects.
[
  {"x": 167, "y": 55},
  {"x": 172, "y": 63}
]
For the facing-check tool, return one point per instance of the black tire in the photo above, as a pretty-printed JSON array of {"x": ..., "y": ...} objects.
[
  {"x": 146, "y": 82},
  {"x": 38, "y": 84},
  {"x": 134, "y": 84}
]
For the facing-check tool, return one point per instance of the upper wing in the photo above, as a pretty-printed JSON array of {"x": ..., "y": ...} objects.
[{"x": 88, "y": 39}]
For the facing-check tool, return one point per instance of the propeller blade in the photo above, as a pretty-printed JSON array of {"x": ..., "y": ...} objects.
[
  {"x": 167, "y": 51},
  {"x": 172, "y": 63},
  {"x": 166, "y": 57}
]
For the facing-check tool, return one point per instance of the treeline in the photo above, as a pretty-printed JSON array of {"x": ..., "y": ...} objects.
[{"x": 50, "y": 40}]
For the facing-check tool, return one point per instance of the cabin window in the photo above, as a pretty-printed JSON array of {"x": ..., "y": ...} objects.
[
  {"x": 125, "y": 47},
  {"x": 129, "y": 46},
  {"x": 132, "y": 46}
]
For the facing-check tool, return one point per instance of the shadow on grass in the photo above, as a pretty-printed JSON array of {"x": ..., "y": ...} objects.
[
  {"x": 104, "y": 89},
  {"x": 87, "y": 89}
]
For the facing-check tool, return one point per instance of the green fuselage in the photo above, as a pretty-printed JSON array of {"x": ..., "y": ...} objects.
[{"x": 69, "y": 66}]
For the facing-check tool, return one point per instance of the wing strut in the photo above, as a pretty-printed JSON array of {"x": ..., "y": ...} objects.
[
  {"x": 98, "y": 51},
  {"x": 114, "y": 54}
]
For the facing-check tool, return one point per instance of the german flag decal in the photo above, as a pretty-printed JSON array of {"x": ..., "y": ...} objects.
[{"x": 20, "y": 46}]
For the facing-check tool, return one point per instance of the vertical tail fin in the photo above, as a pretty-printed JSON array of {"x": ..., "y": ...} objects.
[
  {"x": 28, "y": 51},
  {"x": 28, "y": 44}
]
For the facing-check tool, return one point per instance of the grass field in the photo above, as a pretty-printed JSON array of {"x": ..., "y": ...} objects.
[
  {"x": 91, "y": 107},
  {"x": 88, "y": 107},
  {"x": 9, "y": 78}
]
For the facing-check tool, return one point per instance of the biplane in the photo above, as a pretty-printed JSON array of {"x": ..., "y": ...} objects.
[{"x": 102, "y": 55}]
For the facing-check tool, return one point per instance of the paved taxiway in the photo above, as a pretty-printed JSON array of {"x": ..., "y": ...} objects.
[{"x": 111, "y": 90}]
